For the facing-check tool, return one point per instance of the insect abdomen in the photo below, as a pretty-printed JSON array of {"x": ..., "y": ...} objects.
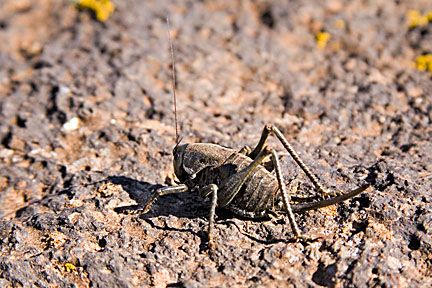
[{"x": 259, "y": 191}]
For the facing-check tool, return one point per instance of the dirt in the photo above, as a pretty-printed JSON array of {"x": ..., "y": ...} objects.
[{"x": 86, "y": 125}]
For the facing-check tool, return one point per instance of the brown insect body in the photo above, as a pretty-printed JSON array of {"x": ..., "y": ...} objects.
[
  {"x": 237, "y": 180},
  {"x": 198, "y": 165}
]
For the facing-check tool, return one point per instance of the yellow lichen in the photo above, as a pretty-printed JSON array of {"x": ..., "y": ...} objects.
[
  {"x": 416, "y": 19},
  {"x": 69, "y": 267},
  {"x": 102, "y": 8},
  {"x": 339, "y": 24},
  {"x": 322, "y": 39},
  {"x": 429, "y": 16},
  {"x": 424, "y": 62}
]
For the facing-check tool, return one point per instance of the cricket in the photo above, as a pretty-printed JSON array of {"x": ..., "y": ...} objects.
[{"x": 237, "y": 180}]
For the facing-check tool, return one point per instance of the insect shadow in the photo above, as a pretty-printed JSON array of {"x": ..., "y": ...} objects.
[{"x": 183, "y": 206}]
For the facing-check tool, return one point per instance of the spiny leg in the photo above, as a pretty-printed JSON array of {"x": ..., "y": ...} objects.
[
  {"x": 262, "y": 142},
  {"x": 246, "y": 150},
  {"x": 205, "y": 192},
  {"x": 338, "y": 195},
  {"x": 145, "y": 207},
  {"x": 285, "y": 196},
  {"x": 301, "y": 207},
  {"x": 268, "y": 129}
]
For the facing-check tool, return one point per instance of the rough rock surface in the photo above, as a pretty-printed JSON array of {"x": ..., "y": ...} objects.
[{"x": 86, "y": 125}]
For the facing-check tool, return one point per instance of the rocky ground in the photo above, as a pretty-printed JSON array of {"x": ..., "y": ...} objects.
[{"x": 86, "y": 125}]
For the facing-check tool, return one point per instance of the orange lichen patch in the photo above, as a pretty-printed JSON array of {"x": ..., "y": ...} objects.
[
  {"x": 102, "y": 9},
  {"x": 424, "y": 63},
  {"x": 71, "y": 272},
  {"x": 339, "y": 24},
  {"x": 416, "y": 19},
  {"x": 322, "y": 38},
  {"x": 429, "y": 16},
  {"x": 69, "y": 267}
]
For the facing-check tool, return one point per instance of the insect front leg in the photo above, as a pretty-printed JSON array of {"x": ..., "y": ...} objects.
[
  {"x": 205, "y": 192},
  {"x": 145, "y": 207}
]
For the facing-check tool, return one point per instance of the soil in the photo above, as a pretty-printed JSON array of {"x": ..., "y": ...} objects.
[{"x": 87, "y": 125}]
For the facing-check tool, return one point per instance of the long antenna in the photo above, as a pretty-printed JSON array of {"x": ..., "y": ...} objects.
[{"x": 173, "y": 76}]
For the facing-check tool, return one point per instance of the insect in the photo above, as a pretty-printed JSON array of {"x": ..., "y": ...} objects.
[{"x": 236, "y": 179}]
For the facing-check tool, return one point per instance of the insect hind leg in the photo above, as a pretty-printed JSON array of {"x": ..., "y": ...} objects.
[
  {"x": 246, "y": 150},
  {"x": 270, "y": 129},
  {"x": 285, "y": 196}
]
